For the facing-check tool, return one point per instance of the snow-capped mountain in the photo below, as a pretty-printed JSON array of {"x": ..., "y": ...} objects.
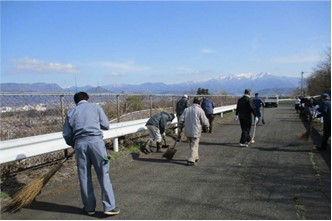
[{"x": 263, "y": 83}]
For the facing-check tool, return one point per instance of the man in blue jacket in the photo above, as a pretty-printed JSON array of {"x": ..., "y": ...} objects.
[
  {"x": 258, "y": 104},
  {"x": 181, "y": 105},
  {"x": 208, "y": 106},
  {"x": 82, "y": 130},
  {"x": 325, "y": 110}
]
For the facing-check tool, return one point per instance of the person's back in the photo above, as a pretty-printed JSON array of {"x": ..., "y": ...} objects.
[
  {"x": 207, "y": 106},
  {"x": 194, "y": 118},
  {"x": 181, "y": 105},
  {"x": 82, "y": 131},
  {"x": 159, "y": 120},
  {"x": 86, "y": 120},
  {"x": 245, "y": 107},
  {"x": 325, "y": 109},
  {"x": 258, "y": 102}
]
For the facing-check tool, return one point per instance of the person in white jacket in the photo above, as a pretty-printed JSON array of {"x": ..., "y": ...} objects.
[{"x": 193, "y": 119}]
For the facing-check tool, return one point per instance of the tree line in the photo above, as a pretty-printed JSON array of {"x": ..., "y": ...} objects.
[{"x": 320, "y": 80}]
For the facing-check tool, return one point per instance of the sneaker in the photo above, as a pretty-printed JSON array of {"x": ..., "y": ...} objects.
[
  {"x": 90, "y": 213},
  {"x": 113, "y": 212},
  {"x": 148, "y": 150},
  {"x": 252, "y": 141},
  {"x": 243, "y": 145}
]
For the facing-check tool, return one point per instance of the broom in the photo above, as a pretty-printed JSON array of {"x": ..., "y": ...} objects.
[
  {"x": 170, "y": 152},
  {"x": 28, "y": 193},
  {"x": 306, "y": 135}
]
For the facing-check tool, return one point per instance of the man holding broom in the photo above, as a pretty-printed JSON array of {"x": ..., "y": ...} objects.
[
  {"x": 82, "y": 130},
  {"x": 156, "y": 127}
]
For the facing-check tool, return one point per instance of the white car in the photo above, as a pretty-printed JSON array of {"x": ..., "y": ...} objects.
[{"x": 271, "y": 101}]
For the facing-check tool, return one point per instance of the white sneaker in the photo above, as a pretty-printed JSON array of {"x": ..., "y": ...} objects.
[
  {"x": 252, "y": 141},
  {"x": 113, "y": 212},
  {"x": 243, "y": 145}
]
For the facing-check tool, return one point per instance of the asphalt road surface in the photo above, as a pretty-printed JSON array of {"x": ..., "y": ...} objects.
[{"x": 278, "y": 177}]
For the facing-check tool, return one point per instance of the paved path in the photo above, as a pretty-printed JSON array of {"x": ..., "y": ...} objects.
[{"x": 278, "y": 177}]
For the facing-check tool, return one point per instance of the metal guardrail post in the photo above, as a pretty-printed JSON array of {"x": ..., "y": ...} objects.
[{"x": 116, "y": 144}]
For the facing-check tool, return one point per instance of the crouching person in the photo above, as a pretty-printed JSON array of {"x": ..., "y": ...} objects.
[
  {"x": 156, "y": 127},
  {"x": 193, "y": 119}
]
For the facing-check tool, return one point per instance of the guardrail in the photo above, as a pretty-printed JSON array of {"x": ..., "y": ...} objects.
[{"x": 22, "y": 148}]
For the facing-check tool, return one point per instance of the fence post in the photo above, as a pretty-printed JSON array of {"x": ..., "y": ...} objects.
[
  {"x": 150, "y": 97},
  {"x": 173, "y": 104},
  {"x": 62, "y": 106},
  {"x": 118, "y": 107}
]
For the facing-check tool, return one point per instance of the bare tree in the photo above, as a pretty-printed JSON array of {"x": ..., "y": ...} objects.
[{"x": 320, "y": 80}]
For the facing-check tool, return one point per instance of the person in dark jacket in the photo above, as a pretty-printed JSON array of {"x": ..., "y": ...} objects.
[
  {"x": 156, "y": 127},
  {"x": 181, "y": 105},
  {"x": 258, "y": 104},
  {"x": 325, "y": 110},
  {"x": 208, "y": 106},
  {"x": 244, "y": 109}
]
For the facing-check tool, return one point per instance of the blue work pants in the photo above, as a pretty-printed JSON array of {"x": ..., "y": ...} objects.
[{"x": 92, "y": 151}]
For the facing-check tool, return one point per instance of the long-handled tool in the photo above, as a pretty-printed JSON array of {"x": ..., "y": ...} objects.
[
  {"x": 28, "y": 193},
  {"x": 170, "y": 152},
  {"x": 306, "y": 135},
  {"x": 165, "y": 144},
  {"x": 253, "y": 135}
]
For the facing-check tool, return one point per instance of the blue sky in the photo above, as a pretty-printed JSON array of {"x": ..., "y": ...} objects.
[{"x": 132, "y": 42}]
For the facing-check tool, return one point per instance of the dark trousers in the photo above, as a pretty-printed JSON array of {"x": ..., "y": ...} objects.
[
  {"x": 210, "y": 117},
  {"x": 326, "y": 135},
  {"x": 245, "y": 127}
]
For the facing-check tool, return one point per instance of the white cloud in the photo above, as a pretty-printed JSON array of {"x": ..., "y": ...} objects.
[
  {"x": 123, "y": 67},
  {"x": 114, "y": 74},
  {"x": 207, "y": 51},
  {"x": 38, "y": 66}
]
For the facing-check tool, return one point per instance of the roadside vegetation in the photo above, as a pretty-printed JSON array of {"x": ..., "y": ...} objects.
[{"x": 320, "y": 80}]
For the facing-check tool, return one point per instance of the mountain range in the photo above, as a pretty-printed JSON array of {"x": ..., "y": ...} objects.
[{"x": 263, "y": 83}]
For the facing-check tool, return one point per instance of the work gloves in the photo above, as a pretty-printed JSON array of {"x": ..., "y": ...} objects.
[{"x": 256, "y": 120}]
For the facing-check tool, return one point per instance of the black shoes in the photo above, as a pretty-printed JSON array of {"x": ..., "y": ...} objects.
[
  {"x": 147, "y": 150},
  {"x": 90, "y": 213},
  {"x": 321, "y": 148}
]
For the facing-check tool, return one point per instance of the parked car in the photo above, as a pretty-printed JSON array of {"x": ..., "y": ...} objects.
[{"x": 271, "y": 101}]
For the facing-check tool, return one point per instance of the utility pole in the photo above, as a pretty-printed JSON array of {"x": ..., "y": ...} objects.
[{"x": 302, "y": 82}]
